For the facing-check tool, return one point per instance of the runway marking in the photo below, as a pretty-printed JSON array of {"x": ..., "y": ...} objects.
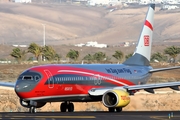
[
  {"x": 163, "y": 117},
  {"x": 75, "y": 117}
]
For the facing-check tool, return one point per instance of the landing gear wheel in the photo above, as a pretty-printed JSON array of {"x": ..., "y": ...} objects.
[
  {"x": 63, "y": 107},
  {"x": 32, "y": 109},
  {"x": 111, "y": 109},
  {"x": 119, "y": 109},
  {"x": 67, "y": 106},
  {"x": 71, "y": 107}
]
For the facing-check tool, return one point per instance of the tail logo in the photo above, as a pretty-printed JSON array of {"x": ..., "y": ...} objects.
[
  {"x": 146, "y": 40},
  {"x": 148, "y": 24}
]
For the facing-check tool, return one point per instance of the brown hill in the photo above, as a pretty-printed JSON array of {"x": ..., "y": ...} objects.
[
  {"x": 70, "y": 24},
  {"x": 22, "y": 23}
]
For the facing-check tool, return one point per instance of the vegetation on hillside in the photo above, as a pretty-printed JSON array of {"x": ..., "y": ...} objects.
[
  {"x": 173, "y": 52},
  {"x": 36, "y": 50},
  {"x": 158, "y": 57},
  {"x": 73, "y": 55},
  {"x": 48, "y": 53},
  {"x": 118, "y": 55},
  {"x": 128, "y": 56},
  {"x": 18, "y": 54}
]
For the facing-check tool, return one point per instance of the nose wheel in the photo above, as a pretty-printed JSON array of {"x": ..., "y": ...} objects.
[
  {"x": 32, "y": 109},
  {"x": 67, "y": 106}
]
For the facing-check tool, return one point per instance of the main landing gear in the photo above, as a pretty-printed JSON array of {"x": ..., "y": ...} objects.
[
  {"x": 67, "y": 106},
  {"x": 119, "y": 109}
]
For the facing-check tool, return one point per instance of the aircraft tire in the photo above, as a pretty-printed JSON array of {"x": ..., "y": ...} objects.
[
  {"x": 111, "y": 109},
  {"x": 119, "y": 109},
  {"x": 32, "y": 109},
  {"x": 70, "y": 107},
  {"x": 63, "y": 107}
]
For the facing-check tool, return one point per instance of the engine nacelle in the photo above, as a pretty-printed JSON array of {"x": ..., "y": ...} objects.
[
  {"x": 116, "y": 98},
  {"x": 27, "y": 104}
]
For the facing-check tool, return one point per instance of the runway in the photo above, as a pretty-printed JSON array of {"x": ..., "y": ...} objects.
[{"x": 146, "y": 115}]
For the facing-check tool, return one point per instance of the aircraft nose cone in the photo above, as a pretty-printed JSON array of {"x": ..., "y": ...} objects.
[
  {"x": 22, "y": 87},
  {"x": 17, "y": 87}
]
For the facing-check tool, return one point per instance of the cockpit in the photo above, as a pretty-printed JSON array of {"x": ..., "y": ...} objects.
[
  {"x": 30, "y": 75},
  {"x": 27, "y": 81}
]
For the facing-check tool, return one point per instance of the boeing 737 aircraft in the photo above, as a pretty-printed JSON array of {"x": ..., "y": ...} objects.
[{"x": 110, "y": 83}]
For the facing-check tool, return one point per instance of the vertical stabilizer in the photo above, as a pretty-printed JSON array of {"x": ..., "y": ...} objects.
[{"x": 143, "y": 49}]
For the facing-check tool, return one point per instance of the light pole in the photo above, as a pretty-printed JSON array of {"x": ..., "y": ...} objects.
[
  {"x": 44, "y": 35},
  {"x": 44, "y": 38}
]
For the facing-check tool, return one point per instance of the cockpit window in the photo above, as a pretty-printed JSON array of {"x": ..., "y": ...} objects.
[
  {"x": 27, "y": 78},
  {"x": 29, "y": 75},
  {"x": 37, "y": 78}
]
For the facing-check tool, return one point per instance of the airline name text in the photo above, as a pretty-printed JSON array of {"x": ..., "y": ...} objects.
[{"x": 117, "y": 71}]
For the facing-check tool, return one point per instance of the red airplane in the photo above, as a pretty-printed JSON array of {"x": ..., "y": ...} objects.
[{"x": 110, "y": 83}]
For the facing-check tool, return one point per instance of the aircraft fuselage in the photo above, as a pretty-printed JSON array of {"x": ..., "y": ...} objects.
[{"x": 49, "y": 83}]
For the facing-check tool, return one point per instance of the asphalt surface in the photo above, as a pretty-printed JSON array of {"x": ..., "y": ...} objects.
[{"x": 145, "y": 115}]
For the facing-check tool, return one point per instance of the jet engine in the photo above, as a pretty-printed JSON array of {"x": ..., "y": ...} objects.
[
  {"x": 27, "y": 104},
  {"x": 116, "y": 98}
]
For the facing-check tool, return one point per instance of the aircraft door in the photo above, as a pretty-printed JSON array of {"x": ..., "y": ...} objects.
[
  {"x": 97, "y": 80},
  {"x": 50, "y": 78}
]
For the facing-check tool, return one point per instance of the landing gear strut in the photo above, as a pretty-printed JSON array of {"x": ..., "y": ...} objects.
[
  {"x": 111, "y": 109},
  {"x": 71, "y": 107},
  {"x": 119, "y": 109},
  {"x": 67, "y": 106},
  {"x": 32, "y": 109}
]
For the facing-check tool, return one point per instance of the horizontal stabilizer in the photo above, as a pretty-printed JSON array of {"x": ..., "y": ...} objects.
[{"x": 163, "y": 69}]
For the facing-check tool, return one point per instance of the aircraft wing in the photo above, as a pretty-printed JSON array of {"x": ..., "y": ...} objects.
[
  {"x": 7, "y": 84},
  {"x": 147, "y": 87},
  {"x": 163, "y": 69},
  {"x": 150, "y": 87}
]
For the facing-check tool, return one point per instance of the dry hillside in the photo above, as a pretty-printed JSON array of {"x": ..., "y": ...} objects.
[
  {"x": 22, "y": 23},
  {"x": 70, "y": 24}
]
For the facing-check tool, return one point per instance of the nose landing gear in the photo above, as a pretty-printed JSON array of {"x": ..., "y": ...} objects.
[{"x": 32, "y": 109}]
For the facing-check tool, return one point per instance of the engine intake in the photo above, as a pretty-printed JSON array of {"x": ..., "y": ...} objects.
[{"x": 116, "y": 98}]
